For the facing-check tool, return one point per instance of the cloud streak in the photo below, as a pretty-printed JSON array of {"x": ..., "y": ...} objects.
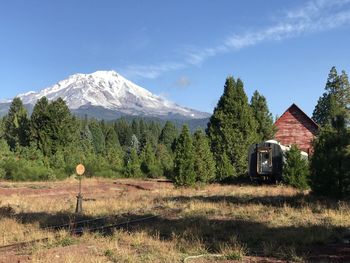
[
  {"x": 183, "y": 82},
  {"x": 151, "y": 71},
  {"x": 315, "y": 16}
]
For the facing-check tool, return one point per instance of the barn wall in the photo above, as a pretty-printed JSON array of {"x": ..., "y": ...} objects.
[{"x": 294, "y": 127}]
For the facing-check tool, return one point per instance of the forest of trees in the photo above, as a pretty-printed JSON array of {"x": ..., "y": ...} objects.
[{"x": 49, "y": 143}]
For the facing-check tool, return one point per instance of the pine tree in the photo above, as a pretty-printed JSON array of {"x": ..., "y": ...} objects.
[
  {"x": 114, "y": 151},
  {"x": 132, "y": 164},
  {"x": 166, "y": 161},
  {"x": 184, "y": 174},
  {"x": 53, "y": 127},
  {"x": 204, "y": 164},
  {"x": 149, "y": 164},
  {"x": 17, "y": 125},
  {"x": 168, "y": 135},
  {"x": 296, "y": 169},
  {"x": 86, "y": 139},
  {"x": 135, "y": 128},
  {"x": 330, "y": 163},
  {"x": 134, "y": 143},
  {"x": 124, "y": 132},
  {"x": 98, "y": 137},
  {"x": 63, "y": 126},
  {"x": 111, "y": 139},
  {"x": 39, "y": 123},
  {"x": 155, "y": 131},
  {"x": 231, "y": 130},
  {"x": 335, "y": 101},
  {"x": 2, "y": 127},
  {"x": 263, "y": 116}
]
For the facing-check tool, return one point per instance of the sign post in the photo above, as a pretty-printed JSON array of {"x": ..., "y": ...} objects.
[{"x": 80, "y": 170}]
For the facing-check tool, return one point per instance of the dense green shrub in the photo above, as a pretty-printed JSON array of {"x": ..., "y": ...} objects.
[
  {"x": 296, "y": 169},
  {"x": 23, "y": 170},
  {"x": 330, "y": 164}
]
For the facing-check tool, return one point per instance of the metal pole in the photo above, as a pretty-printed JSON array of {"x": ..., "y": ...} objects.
[{"x": 79, "y": 207}]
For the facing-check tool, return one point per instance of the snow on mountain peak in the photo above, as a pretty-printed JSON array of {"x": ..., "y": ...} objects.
[{"x": 109, "y": 90}]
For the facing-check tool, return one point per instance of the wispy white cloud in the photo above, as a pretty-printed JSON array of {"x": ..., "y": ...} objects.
[
  {"x": 151, "y": 71},
  {"x": 314, "y": 16},
  {"x": 183, "y": 82}
]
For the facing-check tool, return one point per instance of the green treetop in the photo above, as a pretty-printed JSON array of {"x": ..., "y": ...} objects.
[
  {"x": 263, "y": 116},
  {"x": 17, "y": 125},
  {"x": 168, "y": 135},
  {"x": 335, "y": 101}
]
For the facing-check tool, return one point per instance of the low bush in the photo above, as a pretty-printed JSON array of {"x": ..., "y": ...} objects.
[{"x": 296, "y": 169}]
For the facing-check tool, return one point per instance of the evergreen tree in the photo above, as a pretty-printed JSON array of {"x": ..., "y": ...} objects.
[
  {"x": 168, "y": 135},
  {"x": 134, "y": 144},
  {"x": 224, "y": 167},
  {"x": 98, "y": 137},
  {"x": 204, "y": 164},
  {"x": 111, "y": 139},
  {"x": 166, "y": 160},
  {"x": 154, "y": 131},
  {"x": 39, "y": 123},
  {"x": 149, "y": 164},
  {"x": 265, "y": 127},
  {"x": 124, "y": 132},
  {"x": 184, "y": 173},
  {"x": 231, "y": 130},
  {"x": 114, "y": 152},
  {"x": 296, "y": 169},
  {"x": 53, "y": 127},
  {"x": 335, "y": 101},
  {"x": 135, "y": 128},
  {"x": 63, "y": 126},
  {"x": 17, "y": 125},
  {"x": 86, "y": 139},
  {"x": 330, "y": 163},
  {"x": 2, "y": 127},
  {"x": 132, "y": 164},
  {"x": 104, "y": 127}
]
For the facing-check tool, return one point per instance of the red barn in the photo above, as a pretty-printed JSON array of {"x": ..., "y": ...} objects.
[{"x": 295, "y": 127}]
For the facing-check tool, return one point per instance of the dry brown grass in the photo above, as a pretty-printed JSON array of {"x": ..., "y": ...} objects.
[{"x": 231, "y": 220}]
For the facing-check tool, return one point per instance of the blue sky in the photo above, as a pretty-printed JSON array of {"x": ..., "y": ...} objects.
[{"x": 182, "y": 50}]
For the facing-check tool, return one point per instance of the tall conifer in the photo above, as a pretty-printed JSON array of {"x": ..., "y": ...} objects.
[
  {"x": 335, "y": 101},
  {"x": 265, "y": 128},
  {"x": 204, "y": 164},
  {"x": 168, "y": 135},
  {"x": 231, "y": 130},
  {"x": 17, "y": 125},
  {"x": 184, "y": 174}
]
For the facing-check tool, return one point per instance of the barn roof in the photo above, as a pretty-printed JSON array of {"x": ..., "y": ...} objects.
[{"x": 295, "y": 107}]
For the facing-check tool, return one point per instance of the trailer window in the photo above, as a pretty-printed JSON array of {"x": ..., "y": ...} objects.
[{"x": 264, "y": 160}]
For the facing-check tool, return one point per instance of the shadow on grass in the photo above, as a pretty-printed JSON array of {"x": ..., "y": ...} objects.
[
  {"x": 256, "y": 238},
  {"x": 295, "y": 201}
]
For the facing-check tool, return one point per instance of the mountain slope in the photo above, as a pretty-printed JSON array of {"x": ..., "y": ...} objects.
[{"x": 108, "y": 95}]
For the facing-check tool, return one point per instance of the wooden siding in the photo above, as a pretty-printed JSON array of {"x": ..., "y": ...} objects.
[{"x": 295, "y": 127}]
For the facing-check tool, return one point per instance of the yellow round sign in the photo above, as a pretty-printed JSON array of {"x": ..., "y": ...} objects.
[{"x": 80, "y": 169}]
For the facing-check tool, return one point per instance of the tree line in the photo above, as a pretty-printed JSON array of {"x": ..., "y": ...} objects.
[{"x": 51, "y": 141}]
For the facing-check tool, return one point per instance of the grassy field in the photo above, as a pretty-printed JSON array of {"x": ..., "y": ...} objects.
[{"x": 222, "y": 223}]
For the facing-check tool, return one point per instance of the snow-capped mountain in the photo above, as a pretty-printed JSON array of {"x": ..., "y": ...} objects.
[{"x": 108, "y": 93}]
